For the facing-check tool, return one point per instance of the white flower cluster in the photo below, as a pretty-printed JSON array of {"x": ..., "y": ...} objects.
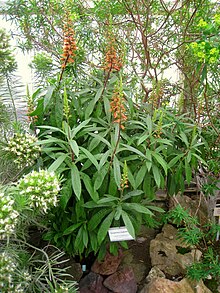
[
  {"x": 8, "y": 216},
  {"x": 22, "y": 147},
  {"x": 41, "y": 189},
  {"x": 11, "y": 282}
]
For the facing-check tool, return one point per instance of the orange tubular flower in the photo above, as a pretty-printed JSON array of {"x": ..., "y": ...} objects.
[
  {"x": 117, "y": 108},
  {"x": 113, "y": 61},
  {"x": 69, "y": 44}
]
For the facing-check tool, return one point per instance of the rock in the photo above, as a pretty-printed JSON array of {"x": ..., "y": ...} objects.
[
  {"x": 92, "y": 283},
  {"x": 138, "y": 265},
  {"x": 109, "y": 265},
  {"x": 161, "y": 285},
  {"x": 122, "y": 281},
  {"x": 155, "y": 273},
  {"x": 75, "y": 270},
  {"x": 191, "y": 205},
  {"x": 170, "y": 254}
]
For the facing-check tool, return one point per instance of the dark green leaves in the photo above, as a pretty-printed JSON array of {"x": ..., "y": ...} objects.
[{"x": 76, "y": 181}]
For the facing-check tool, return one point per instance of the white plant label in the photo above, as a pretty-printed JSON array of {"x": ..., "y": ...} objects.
[
  {"x": 217, "y": 212},
  {"x": 119, "y": 234}
]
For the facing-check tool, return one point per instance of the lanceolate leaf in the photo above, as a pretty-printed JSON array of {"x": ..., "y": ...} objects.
[
  {"x": 90, "y": 157},
  {"x": 175, "y": 160},
  {"x": 117, "y": 171},
  {"x": 97, "y": 218},
  {"x": 156, "y": 174},
  {"x": 134, "y": 150},
  {"x": 188, "y": 171},
  {"x": 76, "y": 182},
  {"x": 90, "y": 188},
  {"x": 56, "y": 164},
  {"x": 74, "y": 147},
  {"x": 184, "y": 139},
  {"x": 71, "y": 229},
  {"x": 79, "y": 127},
  {"x": 100, "y": 175},
  {"x": 131, "y": 179},
  {"x": 199, "y": 158},
  {"x": 99, "y": 137},
  {"x": 161, "y": 161},
  {"x": 47, "y": 97},
  {"x": 132, "y": 193},
  {"x": 140, "y": 175},
  {"x": 104, "y": 158},
  {"x": 106, "y": 224},
  {"x": 128, "y": 223},
  {"x": 149, "y": 123},
  {"x": 149, "y": 159},
  {"x": 137, "y": 207}
]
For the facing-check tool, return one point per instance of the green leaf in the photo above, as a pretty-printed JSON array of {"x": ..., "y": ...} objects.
[
  {"x": 128, "y": 224},
  {"x": 76, "y": 182},
  {"x": 200, "y": 159},
  {"x": 47, "y": 97},
  {"x": 72, "y": 228},
  {"x": 100, "y": 175},
  {"x": 132, "y": 193},
  {"x": 112, "y": 188},
  {"x": 188, "y": 171},
  {"x": 98, "y": 94},
  {"x": 93, "y": 241},
  {"x": 74, "y": 147},
  {"x": 104, "y": 158},
  {"x": 97, "y": 218},
  {"x": 106, "y": 224},
  {"x": 90, "y": 157},
  {"x": 65, "y": 194},
  {"x": 78, "y": 244},
  {"x": 137, "y": 207},
  {"x": 143, "y": 138},
  {"x": 149, "y": 159},
  {"x": 156, "y": 174},
  {"x": 161, "y": 161},
  {"x": 107, "y": 198},
  {"x": 156, "y": 209},
  {"x": 89, "y": 109},
  {"x": 148, "y": 187},
  {"x": 184, "y": 139},
  {"x": 79, "y": 127},
  {"x": 57, "y": 112},
  {"x": 131, "y": 179},
  {"x": 140, "y": 175},
  {"x": 56, "y": 164},
  {"x": 85, "y": 236},
  {"x": 164, "y": 141},
  {"x": 52, "y": 128},
  {"x": 149, "y": 123},
  {"x": 39, "y": 109},
  {"x": 175, "y": 160},
  {"x": 88, "y": 184},
  {"x": 117, "y": 171},
  {"x": 189, "y": 157},
  {"x": 107, "y": 108},
  {"x": 118, "y": 213},
  {"x": 99, "y": 137},
  {"x": 134, "y": 150}
]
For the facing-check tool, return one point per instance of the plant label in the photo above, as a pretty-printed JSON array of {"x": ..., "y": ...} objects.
[
  {"x": 217, "y": 212},
  {"x": 119, "y": 234}
]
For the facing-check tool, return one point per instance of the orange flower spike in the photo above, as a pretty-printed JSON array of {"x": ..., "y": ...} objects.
[
  {"x": 112, "y": 60},
  {"x": 117, "y": 106},
  {"x": 69, "y": 43}
]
